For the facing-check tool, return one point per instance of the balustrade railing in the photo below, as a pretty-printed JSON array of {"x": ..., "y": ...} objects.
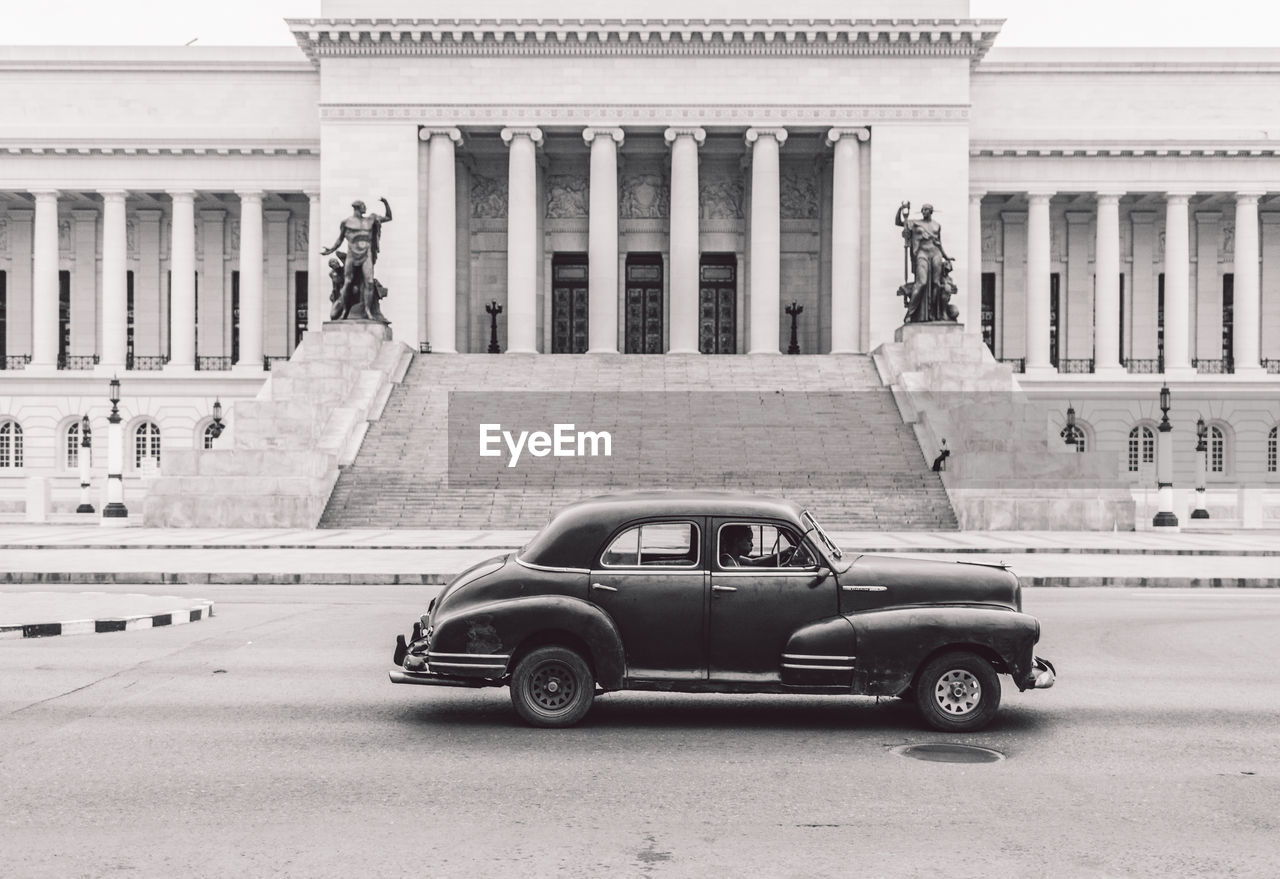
[
  {"x": 1205, "y": 366},
  {"x": 1019, "y": 364},
  {"x": 1076, "y": 365},
  {"x": 145, "y": 362},
  {"x": 1153, "y": 365},
  {"x": 1271, "y": 366},
  {"x": 15, "y": 361},
  {"x": 77, "y": 361},
  {"x": 213, "y": 363},
  {"x": 270, "y": 359}
]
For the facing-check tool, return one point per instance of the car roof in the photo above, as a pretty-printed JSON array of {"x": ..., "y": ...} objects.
[{"x": 574, "y": 535}]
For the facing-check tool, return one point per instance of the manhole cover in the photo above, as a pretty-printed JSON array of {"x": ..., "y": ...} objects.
[{"x": 948, "y": 753}]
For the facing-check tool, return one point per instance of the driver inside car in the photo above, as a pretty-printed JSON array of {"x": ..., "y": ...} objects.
[{"x": 735, "y": 550}]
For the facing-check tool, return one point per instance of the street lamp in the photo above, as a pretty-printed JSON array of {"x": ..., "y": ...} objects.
[
  {"x": 1071, "y": 434},
  {"x": 1202, "y": 466},
  {"x": 216, "y": 428},
  {"x": 85, "y": 456},
  {"x": 115, "y": 513},
  {"x": 494, "y": 309},
  {"x": 1164, "y": 467}
]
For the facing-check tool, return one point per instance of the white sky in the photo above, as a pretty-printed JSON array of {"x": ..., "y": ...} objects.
[{"x": 260, "y": 22}]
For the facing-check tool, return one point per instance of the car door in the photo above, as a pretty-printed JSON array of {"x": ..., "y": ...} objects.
[
  {"x": 755, "y": 607},
  {"x": 651, "y": 580}
]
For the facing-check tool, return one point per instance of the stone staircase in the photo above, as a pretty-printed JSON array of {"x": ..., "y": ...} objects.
[{"x": 821, "y": 430}]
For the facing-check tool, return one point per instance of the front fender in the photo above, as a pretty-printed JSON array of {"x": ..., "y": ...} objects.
[
  {"x": 893, "y": 644},
  {"x": 482, "y": 640}
]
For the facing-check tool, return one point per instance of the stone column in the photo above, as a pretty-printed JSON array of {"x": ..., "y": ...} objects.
[
  {"x": 214, "y": 306},
  {"x": 442, "y": 238},
  {"x": 972, "y": 310},
  {"x": 318, "y": 286},
  {"x": 1177, "y": 295},
  {"x": 522, "y": 239},
  {"x": 766, "y": 239},
  {"x": 602, "y": 240},
  {"x": 846, "y": 239},
  {"x": 182, "y": 266},
  {"x": 1106, "y": 287},
  {"x": 683, "y": 238},
  {"x": 115, "y": 283},
  {"x": 44, "y": 282},
  {"x": 250, "y": 282},
  {"x": 1038, "y": 285},
  {"x": 1247, "y": 315}
]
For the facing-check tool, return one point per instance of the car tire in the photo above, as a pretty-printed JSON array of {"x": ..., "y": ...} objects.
[
  {"x": 958, "y": 692},
  {"x": 552, "y": 687}
]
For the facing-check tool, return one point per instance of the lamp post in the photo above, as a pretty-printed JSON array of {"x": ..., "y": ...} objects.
[
  {"x": 494, "y": 309},
  {"x": 794, "y": 309},
  {"x": 1164, "y": 467},
  {"x": 115, "y": 513},
  {"x": 216, "y": 428},
  {"x": 1071, "y": 433},
  {"x": 86, "y": 463},
  {"x": 1202, "y": 466}
]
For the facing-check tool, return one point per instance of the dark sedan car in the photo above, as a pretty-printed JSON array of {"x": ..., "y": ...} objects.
[{"x": 721, "y": 592}]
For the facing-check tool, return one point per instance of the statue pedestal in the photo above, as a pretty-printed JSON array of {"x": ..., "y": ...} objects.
[
  {"x": 277, "y": 462},
  {"x": 1002, "y": 472}
]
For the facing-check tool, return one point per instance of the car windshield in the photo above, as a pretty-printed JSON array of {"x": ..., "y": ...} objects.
[{"x": 812, "y": 527}]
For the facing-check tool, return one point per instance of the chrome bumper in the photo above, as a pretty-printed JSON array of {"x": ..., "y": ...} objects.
[{"x": 431, "y": 679}]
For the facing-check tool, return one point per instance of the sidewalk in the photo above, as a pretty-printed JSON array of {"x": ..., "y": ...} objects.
[{"x": 32, "y": 555}]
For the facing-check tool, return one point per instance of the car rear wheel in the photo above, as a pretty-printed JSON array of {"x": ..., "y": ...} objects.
[
  {"x": 552, "y": 687},
  {"x": 958, "y": 692}
]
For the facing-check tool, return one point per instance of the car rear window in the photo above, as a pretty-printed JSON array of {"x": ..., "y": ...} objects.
[{"x": 655, "y": 544}]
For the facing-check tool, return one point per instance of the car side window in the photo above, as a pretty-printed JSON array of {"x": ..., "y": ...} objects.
[
  {"x": 757, "y": 545},
  {"x": 654, "y": 544}
]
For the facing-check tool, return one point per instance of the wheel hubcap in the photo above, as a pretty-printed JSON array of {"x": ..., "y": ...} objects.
[
  {"x": 958, "y": 692},
  {"x": 552, "y": 686}
]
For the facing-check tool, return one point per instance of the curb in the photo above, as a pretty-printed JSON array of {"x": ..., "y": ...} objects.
[
  {"x": 181, "y": 616},
  {"x": 222, "y": 578}
]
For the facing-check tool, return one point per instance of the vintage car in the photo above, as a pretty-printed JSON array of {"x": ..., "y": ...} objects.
[{"x": 702, "y": 592}]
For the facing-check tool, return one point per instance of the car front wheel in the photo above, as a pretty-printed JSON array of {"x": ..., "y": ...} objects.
[
  {"x": 552, "y": 687},
  {"x": 958, "y": 692}
]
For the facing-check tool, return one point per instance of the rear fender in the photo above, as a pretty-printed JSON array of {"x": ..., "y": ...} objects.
[
  {"x": 497, "y": 633},
  {"x": 893, "y": 644}
]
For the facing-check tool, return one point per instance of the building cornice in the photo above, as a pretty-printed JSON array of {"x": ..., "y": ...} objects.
[
  {"x": 648, "y": 115},
  {"x": 967, "y": 38},
  {"x": 20, "y": 147},
  {"x": 1122, "y": 149}
]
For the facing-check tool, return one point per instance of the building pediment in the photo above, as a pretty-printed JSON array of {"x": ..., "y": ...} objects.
[{"x": 971, "y": 38}]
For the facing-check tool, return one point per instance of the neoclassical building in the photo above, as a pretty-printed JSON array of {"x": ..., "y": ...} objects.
[{"x": 666, "y": 185}]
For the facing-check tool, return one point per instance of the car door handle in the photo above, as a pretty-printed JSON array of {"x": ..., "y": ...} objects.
[
  {"x": 865, "y": 588},
  {"x": 603, "y": 587},
  {"x": 724, "y": 588}
]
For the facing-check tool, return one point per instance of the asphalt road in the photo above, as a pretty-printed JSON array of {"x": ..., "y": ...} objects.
[{"x": 267, "y": 741}]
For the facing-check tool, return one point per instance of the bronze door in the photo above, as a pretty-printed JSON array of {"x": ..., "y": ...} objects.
[
  {"x": 569, "y": 310},
  {"x": 718, "y": 304},
  {"x": 644, "y": 304}
]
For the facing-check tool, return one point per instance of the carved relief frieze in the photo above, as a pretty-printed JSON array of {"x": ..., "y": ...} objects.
[
  {"x": 568, "y": 196},
  {"x": 1160, "y": 246},
  {"x": 990, "y": 240},
  {"x": 300, "y": 233},
  {"x": 798, "y": 192},
  {"x": 1228, "y": 246},
  {"x": 131, "y": 237},
  {"x": 4, "y": 237},
  {"x": 488, "y": 197},
  {"x": 720, "y": 195},
  {"x": 1126, "y": 241},
  {"x": 233, "y": 235},
  {"x": 64, "y": 236},
  {"x": 644, "y": 196},
  {"x": 199, "y": 242}
]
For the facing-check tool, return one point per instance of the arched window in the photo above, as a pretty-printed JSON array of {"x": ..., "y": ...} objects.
[
  {"x": 1271, "y": 451},
  {"x": 146, "y": 444},
  {"x": 72, "y": 446},
  {"x": 210, "y": 434},
  {"x": 1217, "y": 450},
  {"x": 1142, "y": 447},
  {"x": 1081, "y": 437},
  {"x": 10, "y": 445}
]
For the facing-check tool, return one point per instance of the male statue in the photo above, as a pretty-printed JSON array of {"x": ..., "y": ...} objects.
[
  {"x": 930, "y": 262},
  {"x": 362, "y": 233}
]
